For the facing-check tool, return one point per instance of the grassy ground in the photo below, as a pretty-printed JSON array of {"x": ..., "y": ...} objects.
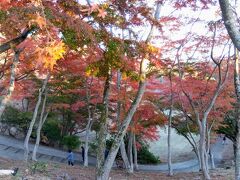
[{"x": 64, "y": 172}]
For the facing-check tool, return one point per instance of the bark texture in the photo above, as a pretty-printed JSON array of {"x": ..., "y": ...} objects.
[
  {"x": 170, "y": 170},
  {"x": 26, "y": 141},
  {"x": 42, "y": 120},
  {"x": 130, "y": 150},
  {"x": 11, "y": 87},
  {"x": 122, "y": 146},
  {"x": 237, "y": 142},
  {"x": 121, "y": 133},
  {"x": 14, "y": 42},
  {"x": 232, "y": 26},
  {"x": 230, "y": 22},
  {"x": 126, "y": 121},
  {"x": 135, "y": 152},
  {"x": 89, "y": 124},
  {"x": 102, "y": 134}
]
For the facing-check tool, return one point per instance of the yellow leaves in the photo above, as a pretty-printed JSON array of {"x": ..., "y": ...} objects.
[
  {"x": 49, "y": 55},
  {"x": 88, "y": 72},
  {"x": 36, "y": 2},
  {"x": 92, "y": 71},
  {"x": 152, "y": 48}
]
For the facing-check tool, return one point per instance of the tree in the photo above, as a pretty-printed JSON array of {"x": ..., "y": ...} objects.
[
  {"x": 26, "y": 141},
  {"x": 105, "y": 170},
  {"x": 231, "y": 23}
]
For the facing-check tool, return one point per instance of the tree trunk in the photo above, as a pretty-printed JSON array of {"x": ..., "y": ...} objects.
[
  {"x": 26, "y": 141},
  {"x": 34, "y": 155},
  {"x": 86, "y": 146},
  {"x": 231, "y": 23},
  {"x": 135, "y": 152},
  {"x": 130, "y": 150},
  {"x": 121, "y": 133},
  {"x": 40, "y": 124},
  {"x": 209, "y": 152},
  {"x": 237, "y": 160},
  {"x": 89, "y": 124},
  {"x": 125, "y": 157},
  {"x": 104, "y": 175},
  {"x": 193, "y": 143},
  {"x": 212, "y": 159},
  {"x": 102, "y": 134},
  {"x": 16, "y": 41},
  {"x": 170, "y": 170},
  {"x": 7, "y": 97},
  {"x": 122, "y": 146},
  {"x": 202, "y": 150},
  {"x": 237, "y": 92}
]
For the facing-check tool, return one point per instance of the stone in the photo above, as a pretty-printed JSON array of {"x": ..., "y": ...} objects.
[
  {"x": 64, "y": 176},
  {"x": 13, "y": 131}
]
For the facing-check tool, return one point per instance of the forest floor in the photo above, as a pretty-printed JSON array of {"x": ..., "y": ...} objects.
[{"x": 61, "y": 171}]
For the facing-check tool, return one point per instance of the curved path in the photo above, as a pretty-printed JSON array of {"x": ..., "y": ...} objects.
[{"x": 13, "y": 149}]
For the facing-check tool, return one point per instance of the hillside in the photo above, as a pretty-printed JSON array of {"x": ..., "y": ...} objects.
[{"x": 61, "y": 171}]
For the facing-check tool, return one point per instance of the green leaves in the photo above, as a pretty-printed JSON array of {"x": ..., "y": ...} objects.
[
  {"x": 3, "y": 15},
  {"x": 71, "y": 142},
  {"x": 70, "y": 38}
]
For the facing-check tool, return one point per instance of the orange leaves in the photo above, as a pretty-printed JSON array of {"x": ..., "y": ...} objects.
[
  {"x": 101, "y": 13},
  {"x": 49, "y": 55},
  {"x": 39, "y": 20},
  {"x": 96, "y": 8}
]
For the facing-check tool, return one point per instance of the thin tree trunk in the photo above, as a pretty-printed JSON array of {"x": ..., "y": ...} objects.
[
  {"x": 26, "y": 141},
  {"x": 7, "y": 97},
  {"x": 121, "y": 133},
  {"x": 125, "y": 157},
  {"x": 209, "y": 146},
  {"x": 195, "y": 147},
  {"x": 86, "y": 145},
  {"x": 123, "y": 129},
  {"x": 135, "y": 152},
  {"x": 88, "y": 127},
  {"x": 202, "y": 150},
  {"x": 42, "y": 119},
  {"x": 212, "y": 160},
  {"x": 170, "y": 170},
  {"x": 130, "y": 150},
  {"x": 34, "y": 156},
  {"x": 122, "y": 146}
]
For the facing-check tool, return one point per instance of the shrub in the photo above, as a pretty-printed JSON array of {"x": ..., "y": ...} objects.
[
  {"x": 38, "y": 167},
  {"x": 15, "y": 117},
  {"x": 52, "y": 131},
  {"x": 146, "y": 157},
  {"x": 71, "y": 142}
]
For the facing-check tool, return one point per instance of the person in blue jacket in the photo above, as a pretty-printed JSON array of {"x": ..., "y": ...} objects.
[{"x": 70, "y": 158}]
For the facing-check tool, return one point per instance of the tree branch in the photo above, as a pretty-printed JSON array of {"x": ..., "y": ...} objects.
[{"x": 14, "y": 42}]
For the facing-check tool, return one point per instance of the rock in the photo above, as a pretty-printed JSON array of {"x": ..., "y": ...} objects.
[
  {"x": 6, "y": 133},
  {"x": 20, "y": 135},
  {"x": 3, "y": 128},
  {"x": 64, "y": 176},
  {"x": 13, "y": 131}
]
